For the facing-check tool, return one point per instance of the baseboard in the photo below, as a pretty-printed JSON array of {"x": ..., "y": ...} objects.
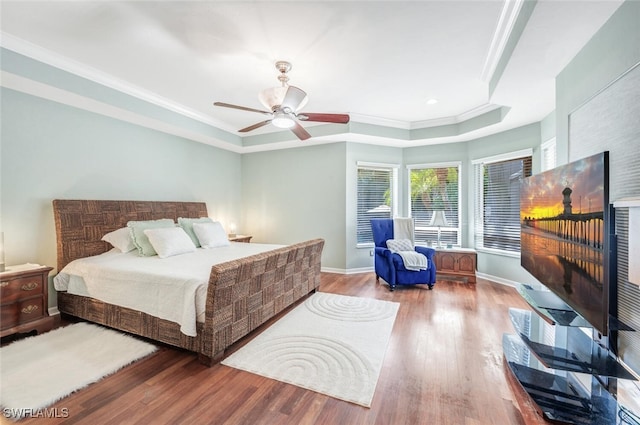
[
  {"x": 497, "y": 279},
  {"x": 53, "y": 311},
  {"x": 485, "y": 276},
  {"x": 347, "y": 271}
]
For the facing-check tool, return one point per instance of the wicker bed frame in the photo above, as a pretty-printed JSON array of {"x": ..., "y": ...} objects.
[{"x": 242, "y": 294}]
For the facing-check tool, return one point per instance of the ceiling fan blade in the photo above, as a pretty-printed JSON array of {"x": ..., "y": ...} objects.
[
  {"x": 254, "y": 126},
  {"x": 335, "y": 118},
  {"x": 242, "y": 108},
  {"x": 294, "y": 98},
  {"x": 299, "y": 131}
]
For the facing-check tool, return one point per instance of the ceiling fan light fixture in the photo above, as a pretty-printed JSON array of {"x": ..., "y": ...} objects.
[
  {"x": 282, "y": 120},
  {"x": 272, "y": 97}
]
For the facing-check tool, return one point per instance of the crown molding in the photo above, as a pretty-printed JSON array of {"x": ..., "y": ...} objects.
[
  {"x": 56, "y": 60},
  {"x": 384, "y": 122},
  {"x": 45, "y": 91},
  {"x": 504, "y": 28},
  {"x": 456, "y": 119}
]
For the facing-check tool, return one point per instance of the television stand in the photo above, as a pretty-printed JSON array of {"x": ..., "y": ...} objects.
[
  {"x": 561, "y": 368},
  {"x": 558, "y": 398},
  {"x": 581, "y": 354}
]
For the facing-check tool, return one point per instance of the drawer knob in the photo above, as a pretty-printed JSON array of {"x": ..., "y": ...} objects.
[
  {"x": 30, "y": 309},
  {"x": 4, "y": 283},
  {"x": 29, "y": 286}
]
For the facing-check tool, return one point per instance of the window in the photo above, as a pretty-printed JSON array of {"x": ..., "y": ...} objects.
[
  {"x": 376, "y": 197},
  {"x": 435, "y": 187},
  {"x": 549, "y": 154},
  {"x": 497, "y": 200}
]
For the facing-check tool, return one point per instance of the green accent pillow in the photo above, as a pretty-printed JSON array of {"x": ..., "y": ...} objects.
[
  {"x": 140, "y": 240},
  {"x": 187, "y": 225}
]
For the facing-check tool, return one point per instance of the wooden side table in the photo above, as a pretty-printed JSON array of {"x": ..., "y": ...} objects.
[
  {"x": 456, "y": 262},
  {"x": 240, "y": 238},
  {"x": 24, "y": 299}
]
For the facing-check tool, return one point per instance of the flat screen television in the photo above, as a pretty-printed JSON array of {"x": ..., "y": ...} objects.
[{"x": 566, "y": 224}]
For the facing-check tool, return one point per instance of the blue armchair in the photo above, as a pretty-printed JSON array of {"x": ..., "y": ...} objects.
[{"x": 389, "y": 265}]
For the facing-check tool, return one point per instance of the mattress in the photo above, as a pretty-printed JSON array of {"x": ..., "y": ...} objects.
[{"x": 173, "y": 288}]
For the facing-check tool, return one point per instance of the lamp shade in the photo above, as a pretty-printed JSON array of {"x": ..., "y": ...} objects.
[
  {"x": 272, "y": 96},
  {"x": 438, "y": 219}
]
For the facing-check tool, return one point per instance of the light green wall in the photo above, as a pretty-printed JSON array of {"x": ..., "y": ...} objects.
[
  {"x": 614, "y": 49},
  {"x": 297, "y": 194},
  {"x": 50, "y": 151},
  {"x": 548, "y": 127},
  {"x": 15, "y": 63}
]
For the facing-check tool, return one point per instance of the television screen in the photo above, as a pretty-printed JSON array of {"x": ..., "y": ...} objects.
[{"x": 564, "y": 235}]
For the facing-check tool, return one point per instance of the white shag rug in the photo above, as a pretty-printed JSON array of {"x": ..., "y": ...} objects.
[
  {"x": 331, "y": 344},
  {"x": 37, "y": 371}
]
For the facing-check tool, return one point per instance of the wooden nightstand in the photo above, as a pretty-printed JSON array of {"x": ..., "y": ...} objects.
[
  {"x": 240, "y": 238},
  {"x": 456, "y": 262},
  {"x": 24, "y": 299}
]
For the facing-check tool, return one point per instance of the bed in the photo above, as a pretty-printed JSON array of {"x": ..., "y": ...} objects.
[{"x": 241, "y": 294}]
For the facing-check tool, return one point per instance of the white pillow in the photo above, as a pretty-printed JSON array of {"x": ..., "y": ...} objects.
[
  {"x": 187, "y": 225},
  {"x": 140, "y": 240},
  {"x": 120, "y": 239},
  {"x": 168, "y": 241},
  {"x": 211, "y": 235},
  {"x": 397, "y": 245}
]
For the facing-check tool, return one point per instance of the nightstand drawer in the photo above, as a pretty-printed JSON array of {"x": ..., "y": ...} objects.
[
  {"x": 24, "y": 299},
  {"x": 22, "y": 312},
  {"x": 23, "y": 287}
]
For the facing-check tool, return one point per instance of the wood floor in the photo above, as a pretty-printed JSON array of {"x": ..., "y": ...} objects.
[{"x": 444, "y": 365}]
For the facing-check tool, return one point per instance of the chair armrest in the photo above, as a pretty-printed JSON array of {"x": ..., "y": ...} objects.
[
  {"x": 426, "y": 251},
  {"x": 382, "y": 251}
]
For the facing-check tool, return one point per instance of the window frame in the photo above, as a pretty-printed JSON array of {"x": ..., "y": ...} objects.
[
  {"x": 478, "y": 200},
  {"x": 449, "y": 164},
  {"x": 394, "y": 191},
  {"x": 549, "y": 157}
]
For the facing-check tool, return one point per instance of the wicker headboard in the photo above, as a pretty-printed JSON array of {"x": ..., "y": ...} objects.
[{"x": 80, "y": 224}]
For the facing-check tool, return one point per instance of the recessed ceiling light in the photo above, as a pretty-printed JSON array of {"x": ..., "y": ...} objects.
[{"x": 432, "y": 101}]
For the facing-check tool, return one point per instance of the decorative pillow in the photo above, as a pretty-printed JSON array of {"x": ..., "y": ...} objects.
[
  {"x": 120, "y": 239},
  {"x": 397, "y": 245},
  {"x": 169, "y": 241},
  {"x": 211, "y": 235},
  {"x": 187, "y": 225},
  {"x": 140, "y": 240}
]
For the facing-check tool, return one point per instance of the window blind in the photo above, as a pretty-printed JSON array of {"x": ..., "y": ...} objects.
[
  {"x": 497, "y": 203},
  {"x": 549, "y": 154},
  {"x": 375, "y": 199}
]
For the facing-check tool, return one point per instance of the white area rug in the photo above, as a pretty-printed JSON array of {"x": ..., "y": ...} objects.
[
  {"x": 40, "y": 370},
  {"x": 331, "y": 344}
]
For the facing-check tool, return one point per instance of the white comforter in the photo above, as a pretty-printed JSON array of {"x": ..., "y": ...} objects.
[{"x": 173, "y": 288}]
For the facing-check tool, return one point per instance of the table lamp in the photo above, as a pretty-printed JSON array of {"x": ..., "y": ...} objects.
[{"x": 438, "y": 219}]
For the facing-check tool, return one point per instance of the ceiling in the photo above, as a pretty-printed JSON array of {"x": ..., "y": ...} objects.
[{"x": 378, "y": 61}]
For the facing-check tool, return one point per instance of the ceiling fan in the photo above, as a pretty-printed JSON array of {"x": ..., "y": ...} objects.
[{"x": 284, "y": 103}]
